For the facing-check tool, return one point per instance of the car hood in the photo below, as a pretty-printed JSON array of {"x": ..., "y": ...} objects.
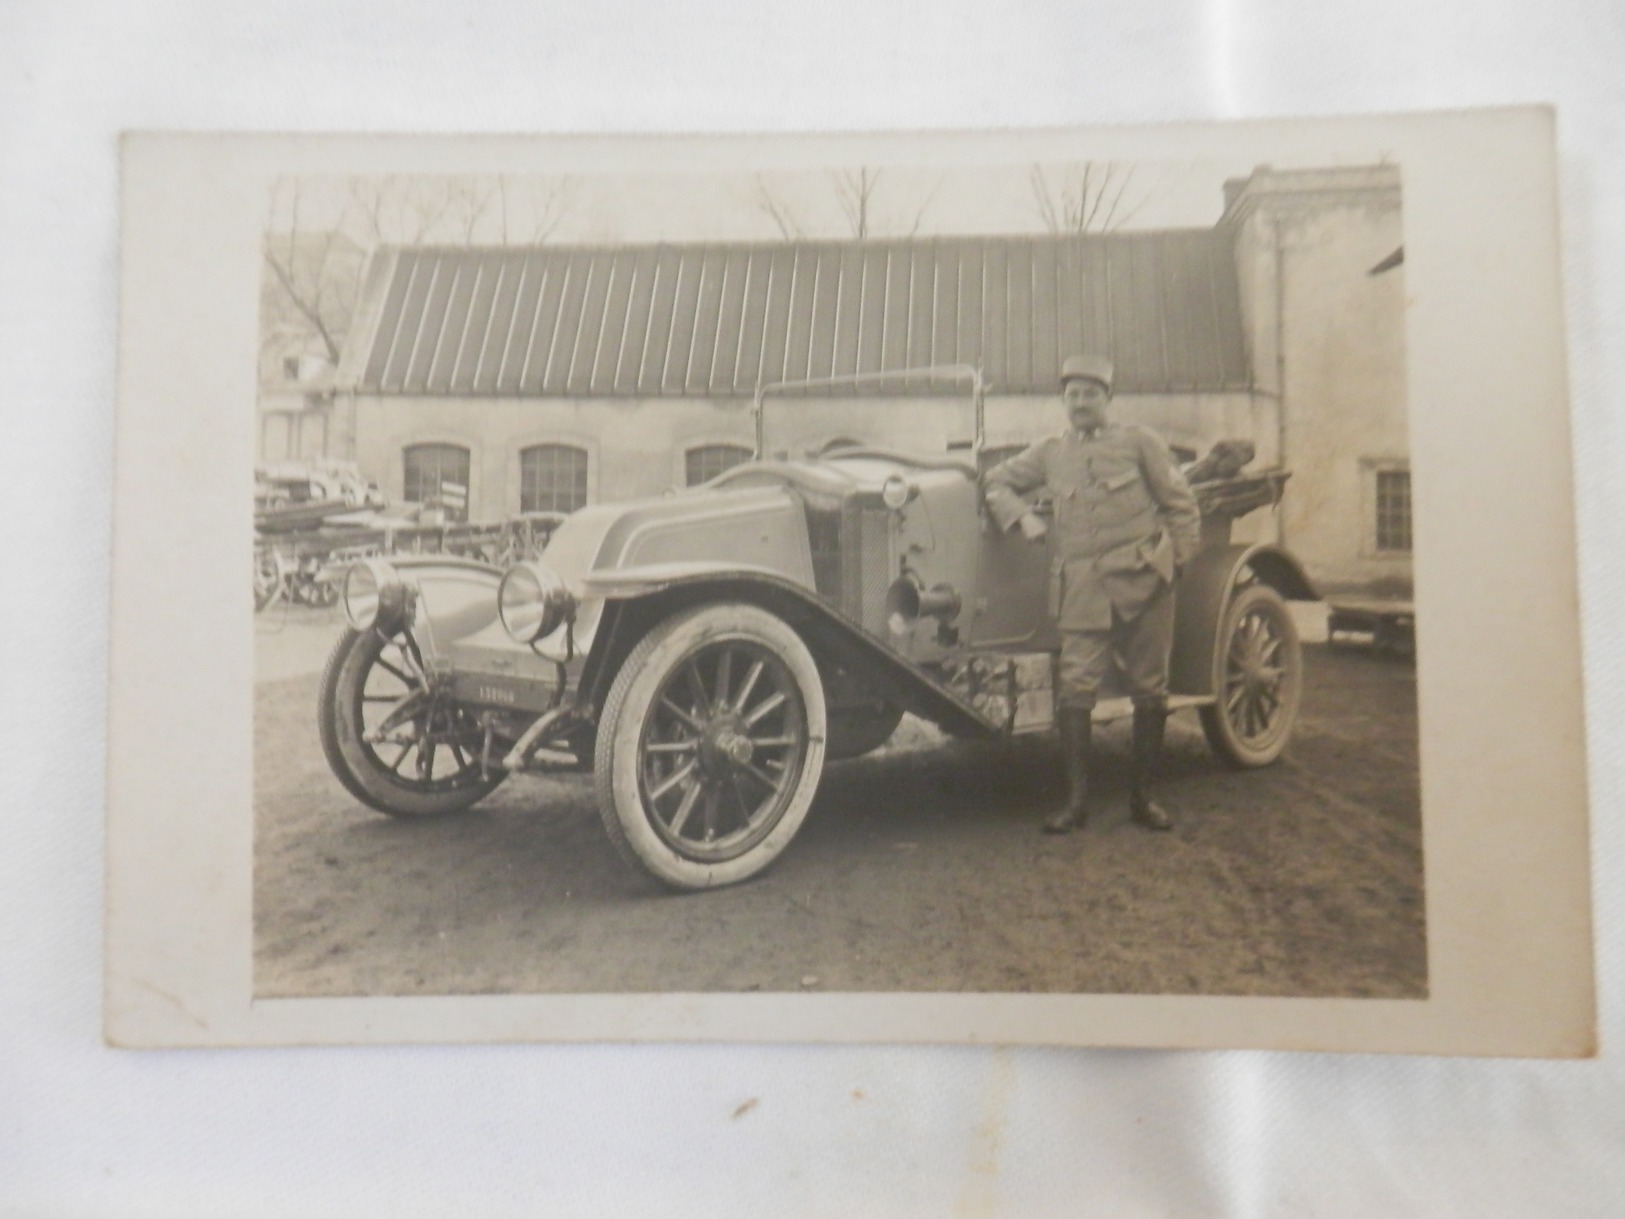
[{"x": 607, "y": 551}]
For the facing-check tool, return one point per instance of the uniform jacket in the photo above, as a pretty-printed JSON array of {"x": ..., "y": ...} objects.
[{"x": 1124, "y": 518}]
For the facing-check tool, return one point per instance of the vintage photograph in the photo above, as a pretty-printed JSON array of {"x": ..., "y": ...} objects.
[
  {"x": 1003, "y": 587},
  {"x": 867, "y": 577}
]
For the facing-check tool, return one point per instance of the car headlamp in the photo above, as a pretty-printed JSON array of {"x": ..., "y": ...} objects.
[
  {"x": 373, "y": 595},
  {"x": 533, "y": 602}
]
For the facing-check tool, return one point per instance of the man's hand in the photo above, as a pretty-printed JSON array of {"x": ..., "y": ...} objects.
[{"x": 1032, "y": 527}]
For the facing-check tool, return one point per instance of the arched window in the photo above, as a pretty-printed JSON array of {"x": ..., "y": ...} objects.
[
  {"x": 704, "y": 462},
  {"x": 437, "y": 473},
  {"x": 552, "y": 478}
]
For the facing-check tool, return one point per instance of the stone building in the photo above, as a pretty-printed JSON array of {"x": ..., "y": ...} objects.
[
  {"x": 1322, "y": 297},
  {"x": 549, "y": 377}
]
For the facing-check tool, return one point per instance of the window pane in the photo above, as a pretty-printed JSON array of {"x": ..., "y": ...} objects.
[
  {"x": 706, "y": 461},
  {"x": 552, "y": 478},
  {"x": 438, "y": 473},
  {"x": 1393, "y": 509}
]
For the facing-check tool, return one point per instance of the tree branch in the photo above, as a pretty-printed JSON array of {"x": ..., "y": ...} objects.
[
  {"x": 776, "y": 210},
  {"x": 309, "y": 311}
]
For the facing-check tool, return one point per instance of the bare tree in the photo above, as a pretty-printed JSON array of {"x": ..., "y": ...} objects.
[
  {"x": 310, "y": 276},
  {"x": 856, "y": 191},
  {"x": 919, "y": 212},
  {"x": 463, "y": 210},
  {"x": 777, "y": 210},
  {"x": 318, "y": 271},
  {"x": 546, "y": 204},
  {"x": 404, "y": 211},
  {"x": 476, "y": 202},
  {"x": 1090, "y": 201}
]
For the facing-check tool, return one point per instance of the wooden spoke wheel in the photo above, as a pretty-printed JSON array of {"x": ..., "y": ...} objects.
[
  {"x": 395, "y": 743},
  {"x": 1258, "y": 679},
  {"x": 711, "y": 745}
]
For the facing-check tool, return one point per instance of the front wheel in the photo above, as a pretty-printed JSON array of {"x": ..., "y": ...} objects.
[
  {"x": 395, "y": 743},
  {"x": 1258, "y": 679},
  {"x": 710, "y": 746}
]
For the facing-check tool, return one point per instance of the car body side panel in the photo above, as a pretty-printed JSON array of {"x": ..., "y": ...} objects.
[
  {"x": 759, "y": 527},
  {"x": 1205, "y": 589},
  {"x": 1012, "y": 610},
  {"x": 936, "y": 539},
  {"x": 762, "y": 527}
]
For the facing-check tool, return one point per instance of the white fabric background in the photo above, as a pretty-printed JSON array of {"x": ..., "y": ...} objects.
[{"x": 625, "y": 1130}]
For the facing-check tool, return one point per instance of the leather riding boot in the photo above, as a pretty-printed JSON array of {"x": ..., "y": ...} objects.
[
  {"x": 1149, "y": 724},
  {"x": 1075, "y": 725}
]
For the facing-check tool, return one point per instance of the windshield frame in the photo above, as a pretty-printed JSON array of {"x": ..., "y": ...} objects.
[{"x": 965, "y": 374}]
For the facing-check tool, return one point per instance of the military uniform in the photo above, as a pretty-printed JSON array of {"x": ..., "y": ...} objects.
[{"x": 1124, "y": 521}]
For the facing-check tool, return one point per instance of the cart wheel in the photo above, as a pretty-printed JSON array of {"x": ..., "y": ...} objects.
[
  {"x": 1258, "y": 678},
  {"x": 324, "y": 593}
]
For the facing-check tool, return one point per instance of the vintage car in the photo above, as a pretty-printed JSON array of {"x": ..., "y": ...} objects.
[{"x": 704, "y": 653}]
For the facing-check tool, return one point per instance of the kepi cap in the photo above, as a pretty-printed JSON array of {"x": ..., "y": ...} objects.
[{"x": 1095, "y": 368}]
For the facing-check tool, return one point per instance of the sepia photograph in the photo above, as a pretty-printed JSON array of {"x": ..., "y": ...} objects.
[
  {"x": 889, "y": 588},
  {"x": 856, "y": 579},
  {"x": 954, "y": 610}
]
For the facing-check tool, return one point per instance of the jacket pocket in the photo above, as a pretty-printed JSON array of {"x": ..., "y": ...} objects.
[{"x": 1131, "y": 556}]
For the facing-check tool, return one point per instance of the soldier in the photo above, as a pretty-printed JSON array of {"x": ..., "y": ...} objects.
[{"x": 1125, "y": 523}]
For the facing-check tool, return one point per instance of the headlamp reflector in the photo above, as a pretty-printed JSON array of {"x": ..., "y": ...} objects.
[
  {"x": 533, "y": 602},
  {"x": 372, "y": 591}
]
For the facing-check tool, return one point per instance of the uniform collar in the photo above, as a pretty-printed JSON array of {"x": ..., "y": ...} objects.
[{"x": 1091, "y": 434}]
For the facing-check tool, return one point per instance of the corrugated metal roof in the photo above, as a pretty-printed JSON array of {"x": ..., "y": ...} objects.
[{"x": 714, "y": 320}]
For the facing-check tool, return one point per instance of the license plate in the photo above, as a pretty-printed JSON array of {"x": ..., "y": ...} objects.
[{"x": 490, "y": 690}]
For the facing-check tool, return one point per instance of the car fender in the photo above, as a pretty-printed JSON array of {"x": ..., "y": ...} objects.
[
  {"x": 635, "y": 599},
  {"x": 1205, "y": 588}
]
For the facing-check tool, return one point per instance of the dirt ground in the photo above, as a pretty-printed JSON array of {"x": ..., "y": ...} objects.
[{"x": 920, "y": 868}]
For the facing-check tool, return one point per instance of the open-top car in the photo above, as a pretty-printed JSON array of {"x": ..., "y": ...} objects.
[{"x": 704, "y": 653}]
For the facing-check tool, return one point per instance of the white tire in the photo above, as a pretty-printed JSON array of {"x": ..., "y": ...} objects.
[{"x": 711, "y": 745}]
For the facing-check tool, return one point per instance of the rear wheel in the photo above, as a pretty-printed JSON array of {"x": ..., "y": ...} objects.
[
  {"x": 1258, "y": 679},
  {"x": 710, "y": 746},
  {"x": 394, "y": 743}
]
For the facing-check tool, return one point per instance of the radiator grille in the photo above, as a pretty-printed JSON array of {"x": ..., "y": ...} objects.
[
  {"x": 866, "y": 567},
  {"x": 824, "y": 539}
]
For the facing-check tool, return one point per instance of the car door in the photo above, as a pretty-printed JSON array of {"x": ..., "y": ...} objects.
[{"x": 1012, "y": 599}]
